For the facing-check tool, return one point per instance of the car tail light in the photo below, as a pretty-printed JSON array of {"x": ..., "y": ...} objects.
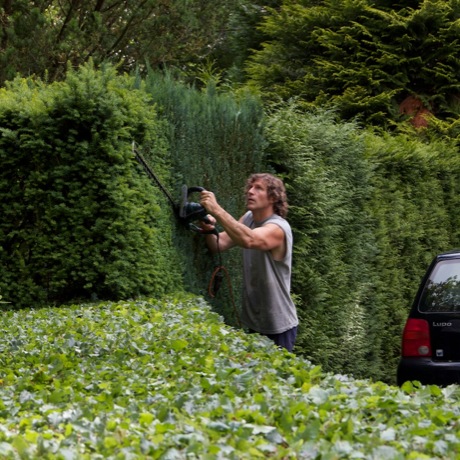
[{"x": 416, "y": 338}]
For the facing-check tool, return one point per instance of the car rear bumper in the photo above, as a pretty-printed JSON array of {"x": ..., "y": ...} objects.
[{"x": 428, "y": 372}]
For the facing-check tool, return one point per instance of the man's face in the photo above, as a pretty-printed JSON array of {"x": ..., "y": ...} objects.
[{"x": 257, "y": 197}]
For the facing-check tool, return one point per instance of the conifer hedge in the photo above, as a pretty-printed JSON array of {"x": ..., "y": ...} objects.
[
  {"x": 414, "y": 205},
  {"x": 328, "y": 182},
  {"x": 216, "y": 141},
  {"x": 369, "y": 212},
  {"x": 79, "y": 219}
]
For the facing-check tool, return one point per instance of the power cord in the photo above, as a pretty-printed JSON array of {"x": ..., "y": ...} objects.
[{"x": 216, "y": 280}]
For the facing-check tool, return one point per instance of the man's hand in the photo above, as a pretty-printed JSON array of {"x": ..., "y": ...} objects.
[
  {"x": 209, "y": 224},
  {"x": 208, "y": 201}
]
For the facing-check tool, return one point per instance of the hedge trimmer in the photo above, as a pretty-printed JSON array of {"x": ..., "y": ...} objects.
[{"x": 187, "y": 212}]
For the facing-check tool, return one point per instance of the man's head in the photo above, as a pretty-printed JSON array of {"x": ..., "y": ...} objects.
[{"x": 275, "y": 191}]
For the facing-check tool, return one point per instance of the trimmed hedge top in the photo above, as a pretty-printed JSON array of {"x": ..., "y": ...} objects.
[{"x": 168, "y": 379}]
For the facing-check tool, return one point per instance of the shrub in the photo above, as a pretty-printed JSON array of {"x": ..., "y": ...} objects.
[
  {"x": 328, "y": 182},
  {"x": 167, "y": 379},
  {"x": 217, "y": 140},
  {"x": 79, "y": 220}
]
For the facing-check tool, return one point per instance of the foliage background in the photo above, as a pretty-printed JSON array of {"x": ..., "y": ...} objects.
[
  {"x": 364, "y": 58},
  {"x": 370, "y": 206},
  {"x": 40, "y": 37},
  {"x": 329, "y": 184}
]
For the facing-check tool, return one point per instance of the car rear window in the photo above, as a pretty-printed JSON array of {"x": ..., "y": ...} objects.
[{"x": 442, "y": 290}]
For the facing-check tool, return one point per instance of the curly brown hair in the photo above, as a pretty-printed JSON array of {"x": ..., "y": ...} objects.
[{"x": 275, "y": 190}]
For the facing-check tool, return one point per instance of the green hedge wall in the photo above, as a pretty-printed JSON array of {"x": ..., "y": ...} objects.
[
  {"x": 217, "y": 140},
  {"x": 369, "y": 212},
  {"x": 328, "y": 182},
  {"x": 414, "y": 204},
  {"x": 79, "y": 219}
]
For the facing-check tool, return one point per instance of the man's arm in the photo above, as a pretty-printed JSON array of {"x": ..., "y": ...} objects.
[
  {"x": 216, "y": 243},
  {"x": 270, "y": 237}
]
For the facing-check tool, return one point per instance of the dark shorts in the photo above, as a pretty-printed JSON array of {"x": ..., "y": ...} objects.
[{"x": 285, "y": 339}]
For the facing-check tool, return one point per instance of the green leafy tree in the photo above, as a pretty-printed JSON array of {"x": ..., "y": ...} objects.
[
  {"x": 364, "y": 57},
  {"x": 41, "y": 36},
  {"x": 244, "y": 36}
]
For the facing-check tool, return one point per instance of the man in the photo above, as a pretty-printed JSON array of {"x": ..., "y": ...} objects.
[{"x": 266, "y": 239}]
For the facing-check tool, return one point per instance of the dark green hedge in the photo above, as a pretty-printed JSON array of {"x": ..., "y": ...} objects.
[
  {"x": 217, "y": 140},
  {"x": 369, "y": 212},
  {"x": 79, "y": 218}
]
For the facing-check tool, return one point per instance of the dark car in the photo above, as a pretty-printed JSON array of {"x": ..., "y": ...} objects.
[{"x": 431, "y": 337}]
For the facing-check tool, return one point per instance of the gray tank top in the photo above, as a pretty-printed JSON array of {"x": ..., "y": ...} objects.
[{"x": 267, "y": 306}]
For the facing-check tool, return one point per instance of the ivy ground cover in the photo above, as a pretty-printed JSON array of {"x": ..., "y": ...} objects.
[{"x": 169, "y": 380}]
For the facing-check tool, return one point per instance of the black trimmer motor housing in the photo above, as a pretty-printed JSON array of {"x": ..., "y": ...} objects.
[{"x": 190, "y": 212}]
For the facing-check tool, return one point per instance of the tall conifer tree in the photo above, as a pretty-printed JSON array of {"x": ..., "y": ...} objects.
[{"x": 366, "y": 57}]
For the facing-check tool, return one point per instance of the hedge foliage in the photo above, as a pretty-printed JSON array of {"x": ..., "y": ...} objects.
[
  {"x": 416, "y": 192},
  {"x": 369, "y": 213},
  {"x": 79, "y": 219},
  {"x": 329, "y": 183},
  {"x": 167, "y": 379},
  {"x": 216, "y": 141}
]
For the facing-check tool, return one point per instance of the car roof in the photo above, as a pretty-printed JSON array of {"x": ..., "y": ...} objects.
[{"x": 452, "y": 254}]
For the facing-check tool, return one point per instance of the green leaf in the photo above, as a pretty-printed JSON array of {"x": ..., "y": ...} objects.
[
  {"x": 179, "y": 344},
  {"x": 146, "y": 418}
]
